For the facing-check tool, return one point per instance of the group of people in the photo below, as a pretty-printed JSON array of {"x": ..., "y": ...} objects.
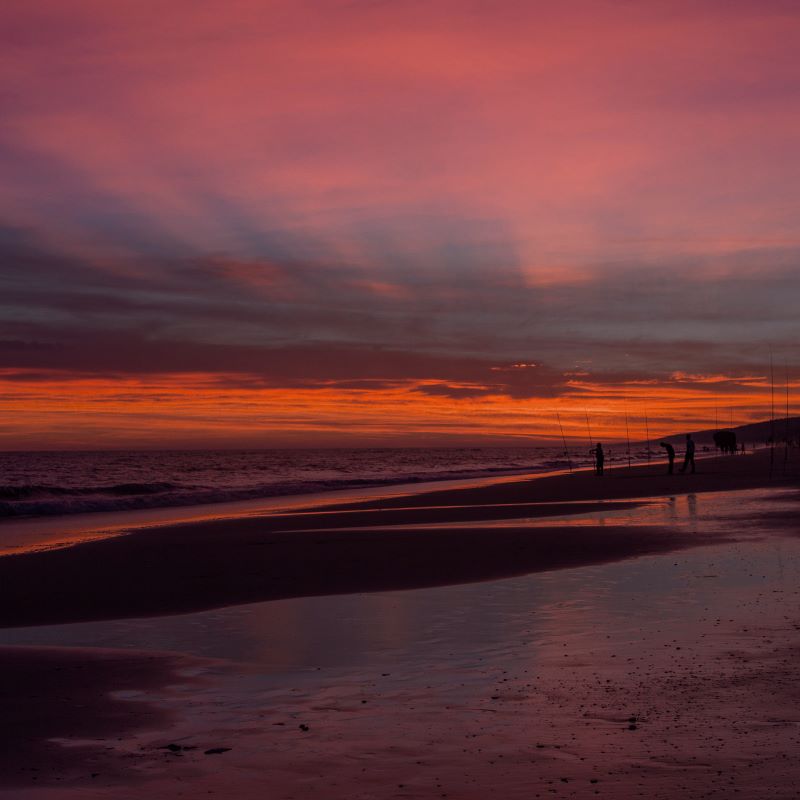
[{"x": 688, "y": 458}]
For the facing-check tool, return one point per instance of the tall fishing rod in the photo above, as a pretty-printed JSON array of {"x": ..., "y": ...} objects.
[
  {"x": 589, "y": 428},
  {"x": 786, "y": 367},
  {"x": 647, "y": 433},
  {"x": 564, "y": 439},
  {"x": 771, "y": 414},
  {"x": 786, "y": 451},
  {"x": 628, "y": 438}
]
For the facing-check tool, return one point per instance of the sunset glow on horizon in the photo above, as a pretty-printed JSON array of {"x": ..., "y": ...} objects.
[
  {"x": 375, "y": 223},
  {"x": 148, "y": 411}
]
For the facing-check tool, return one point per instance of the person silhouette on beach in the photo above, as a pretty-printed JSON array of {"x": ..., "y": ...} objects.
[
  {"x": 599, "y": 458},
  {"x": 688, "y": 458},
  {"x": 670, "y": 455}
]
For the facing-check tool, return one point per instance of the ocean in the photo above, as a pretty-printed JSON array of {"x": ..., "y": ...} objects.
[{"x": 34, "y": 484}]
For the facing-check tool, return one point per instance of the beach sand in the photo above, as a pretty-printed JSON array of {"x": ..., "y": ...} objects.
[{"x": 653, "y": 695}]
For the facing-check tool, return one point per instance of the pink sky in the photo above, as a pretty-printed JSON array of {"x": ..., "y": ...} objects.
[{"x": 408, "y": 193}]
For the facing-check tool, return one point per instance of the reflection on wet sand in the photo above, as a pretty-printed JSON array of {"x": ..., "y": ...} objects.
[{"x": 328, "y": 630}]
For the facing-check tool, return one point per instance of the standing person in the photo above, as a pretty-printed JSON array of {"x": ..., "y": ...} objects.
[
  {"x": 689, "y": 456},
  {"x": 599, "y": 458},
  {"x": 670, "y": 455}
]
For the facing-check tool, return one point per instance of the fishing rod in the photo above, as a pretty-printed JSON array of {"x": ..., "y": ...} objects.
[
  {"x": 589, "y": 428},
  {"x": 564, "y": 439},
  {"x": 628, "y": 438},
  {"x": 771, "y": 414},
  {"x": 786, "y": 451},
  {"x": 647, "y": 433}
]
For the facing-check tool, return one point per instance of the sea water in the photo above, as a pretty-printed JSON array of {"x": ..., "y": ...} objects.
[{"x": 34, "y": 484}]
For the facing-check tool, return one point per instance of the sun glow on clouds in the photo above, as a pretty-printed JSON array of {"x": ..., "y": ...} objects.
[
  {"x": 392, "y": 219},
  {"x": 183, "y": 409}
]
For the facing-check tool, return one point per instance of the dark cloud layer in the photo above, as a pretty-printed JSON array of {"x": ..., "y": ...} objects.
[{"x": 312, "y": 324}]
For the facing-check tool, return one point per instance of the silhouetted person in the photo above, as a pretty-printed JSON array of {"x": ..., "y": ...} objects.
[
  {"x": 599, "y": 458},
  {"x": 688, "y": 458},
  {"x": 670, "y": 455}
]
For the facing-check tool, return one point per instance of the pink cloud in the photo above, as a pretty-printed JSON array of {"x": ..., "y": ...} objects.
[{"x": 590, "y": 131}]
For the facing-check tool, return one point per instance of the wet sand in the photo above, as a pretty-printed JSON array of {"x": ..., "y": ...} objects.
[
  {"x": 541, "y": 706},
  {"x": 58, "y": 702},
  {"x": 190, "y": 569}
]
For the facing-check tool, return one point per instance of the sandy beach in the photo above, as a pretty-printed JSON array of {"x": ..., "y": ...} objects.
[{"x": 684, "y": 702}]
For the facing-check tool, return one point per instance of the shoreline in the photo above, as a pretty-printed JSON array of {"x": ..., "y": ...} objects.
[
  {"x": 714, "y": 474},
  {"x": 23, "y": 534},
  {"x": 368, "y": 546},
  {"x": 48, "y": 532}
]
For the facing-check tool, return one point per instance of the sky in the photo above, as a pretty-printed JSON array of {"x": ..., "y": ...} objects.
[{"x": 371, "y": 222}]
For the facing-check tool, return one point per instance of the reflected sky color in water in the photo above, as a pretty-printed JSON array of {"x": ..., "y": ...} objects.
[{"x": 457, "y": 623}]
